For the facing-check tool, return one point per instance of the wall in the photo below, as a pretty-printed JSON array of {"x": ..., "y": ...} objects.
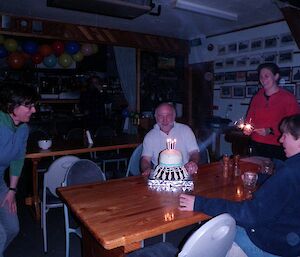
[{"x": 286, "y": 55}]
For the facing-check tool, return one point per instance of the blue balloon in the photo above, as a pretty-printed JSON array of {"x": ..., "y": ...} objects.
[
  {"x": 3, "y": 51},
  {"x": 30, "y": 47},
  {"x": 50, "y": 61},
  {"x": 72, "y": 47}
]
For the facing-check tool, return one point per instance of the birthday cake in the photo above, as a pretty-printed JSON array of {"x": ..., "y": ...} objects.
[{"x": 170, "y": 174}]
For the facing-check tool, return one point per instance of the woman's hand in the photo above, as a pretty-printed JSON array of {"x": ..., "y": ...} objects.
[
  {"x": 186, "y": 202},
  {"x": 262, "y": 131},
  {"x": 10, "y": 200}
]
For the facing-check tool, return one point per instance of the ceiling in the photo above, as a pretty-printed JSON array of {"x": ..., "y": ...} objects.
[{"x": 171, "y": 22}]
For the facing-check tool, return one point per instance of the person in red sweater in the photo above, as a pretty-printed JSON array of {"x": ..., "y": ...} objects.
[{"x": 268, "y": 107}]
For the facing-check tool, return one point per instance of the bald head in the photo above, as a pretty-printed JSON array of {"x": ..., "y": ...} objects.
[{"x": 165, "y": 116}]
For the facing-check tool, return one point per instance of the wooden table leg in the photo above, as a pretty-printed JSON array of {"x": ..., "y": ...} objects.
[
  {"x": 35, "y": 201},
  {"x": 91, "y": 248}
]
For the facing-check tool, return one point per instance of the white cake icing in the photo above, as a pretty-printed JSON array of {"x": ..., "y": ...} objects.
[
  {"x": 170, "y": 166},
  {"x": 170, "y": 158}
]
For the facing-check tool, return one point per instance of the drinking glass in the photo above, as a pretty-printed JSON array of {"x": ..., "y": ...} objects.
[
  {"x": 267, "y": 167},
  {"x": 249, "y": 179}
]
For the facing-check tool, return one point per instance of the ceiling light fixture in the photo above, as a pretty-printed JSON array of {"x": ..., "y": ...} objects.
[{"x": 195, "y": 7}]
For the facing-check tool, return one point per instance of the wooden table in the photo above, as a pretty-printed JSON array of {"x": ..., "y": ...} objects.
[
  {"x": 116, "y": 215},
  {"x": 61, "y": 147}
]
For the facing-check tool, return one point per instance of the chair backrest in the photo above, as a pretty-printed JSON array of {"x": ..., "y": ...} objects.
[
  {"x": 75, "y": 134},
  {"x": 204, "y": 153},
  {"x": 213, "y": 239},
  {"x": 83, "y": 171},
  {"x": 56, "y": 172},
  {"x": 133, "y": 167}
]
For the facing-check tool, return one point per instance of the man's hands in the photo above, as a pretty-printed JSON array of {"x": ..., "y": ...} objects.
[
  {"x": 191, "y": 167},
  {"x": 186, "y": 202}
]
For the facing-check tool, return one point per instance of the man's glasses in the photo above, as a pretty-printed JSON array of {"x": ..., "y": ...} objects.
[{"x": 29, "y": 105}]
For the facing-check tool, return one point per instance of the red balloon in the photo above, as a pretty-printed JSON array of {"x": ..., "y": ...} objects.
[
  {"x": 37, "y": 58},
  {"x": 26, "y": 56},
  {"x": 58, "y": 47},
  {"x": 16, "y": 60},
  {"x": 45, "y": 50}
]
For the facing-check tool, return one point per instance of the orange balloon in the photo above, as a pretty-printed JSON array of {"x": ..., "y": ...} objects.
[
  {"x": 16, "y": 60},
  {"x": 45, "y": 50}
]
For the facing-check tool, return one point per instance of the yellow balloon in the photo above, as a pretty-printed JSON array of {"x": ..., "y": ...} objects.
[
  {"x": 65, "y": 60},
  {"x": 78, "y": 57},
  {"x": 1, "y": 39},
  {"x": 94, "y": 48},
  {"x": 10, "y": 44}
]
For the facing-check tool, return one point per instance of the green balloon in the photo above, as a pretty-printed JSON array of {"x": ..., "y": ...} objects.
[
  {"x": 65, "y": 60},
  {"x": 1, "y": 39},
  {"x": 10, "y": 44},
  {"x": 78, "y": 57}
]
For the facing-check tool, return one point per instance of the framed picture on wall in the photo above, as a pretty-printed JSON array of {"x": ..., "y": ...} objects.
[
  {"x": 241, "y": 61},
  {"x": 226, "y": 91},
  {"x": 238, "y": 91},
  {"x": 254, "y": 60},
  {"x": 298, "y": 91},
  {"x": 252, "y": 75},
  {"x": 285, "y": 56},
  {"x": 285, "y": 73},
  {"x": 251, "y": 90},
  {"x": 229, "y": 62},
  {"x": 286, "y": 39},
  {"x": 296, "y": 74},
  {"x": 230, "y": 76},
  {"x": 232, "y": 48},
  {"x": 219, "y": 64},
  {"x": 243, "y": 46},
  {"x": 270, "y": 57},
  {"x": 270, "y": 42},
  {"x": 240, "y": 76},
  {"x": 256, "y": 44},
  {"x": 221, "y": 49},
  {"x": 290, "y": 87},
  {"x": 219, "y": 77}
]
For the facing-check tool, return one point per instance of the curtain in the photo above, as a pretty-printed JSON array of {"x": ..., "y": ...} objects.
[{"x": 126, "y": 65}]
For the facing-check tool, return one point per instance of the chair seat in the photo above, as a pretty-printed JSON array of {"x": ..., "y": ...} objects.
[
  {"x": 157, "y": 250},
  {"x": 51, "y": 199}
]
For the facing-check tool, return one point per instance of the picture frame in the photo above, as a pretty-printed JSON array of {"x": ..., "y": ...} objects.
[
  {"x": 270, "y": 42},
  {"x": 285, "y": 56},
  {"x": 219, "y": 77},
  {"x": 226, "y": 91},
  {"x": 221, "y": 49},
  {"x": 256, "y": 44},
  {"x": 285, "y": 73},
  {"x": 229, "y": 62},
  {"x": 251, "y": 90},
  {"x": 290, "y": 87},
  {"x": 241, "y": 61},
  {"x": 240, "y": 76},
  {"x": 219, "y": 64},
  {"x": 255, "y": 60},
  {"x": 243, "y": 46},
  {"x": 37, "y": 26},
  {"x": 252, "y": 75},
  {"x": 298, "y": 91},
  {"x": 270, "y": 57},
  {"x": 232, "y": 48},
  {"x": 286, "y": 39},
  {"x": 238, "y": 91},
  {"x": 230, "y": 76},
  {"x": 296, "y": 74}
]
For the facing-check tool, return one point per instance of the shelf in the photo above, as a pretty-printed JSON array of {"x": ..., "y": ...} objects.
[{"x": 59, "y": 101}]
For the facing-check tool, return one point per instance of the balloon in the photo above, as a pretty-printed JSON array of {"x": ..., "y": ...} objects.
[
  {"x": 95, "y": 48},
  {"x": 30, "y": 47},
  {"x": 1, "y": 39},
  {"x": 65, "y": 60},
  {"x": 3, "y": 52},
  {"x": 16, "y": 60},
  {"x": 58, "y": 47},
  {"x": 72, "y": 47},
  {"x": 86, "y": 49},
  {"x": 10, "y": 44},
  {"x": 78, "y": 57},
  {"x": 45, "y": 50},
  {"x": 26, "y": 56},
  {"x": 50, "y": 61},
  {"x": 37, "y": 58}
]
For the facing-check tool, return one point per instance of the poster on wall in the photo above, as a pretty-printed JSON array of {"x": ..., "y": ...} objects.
[{"x": 225, "y": 91}]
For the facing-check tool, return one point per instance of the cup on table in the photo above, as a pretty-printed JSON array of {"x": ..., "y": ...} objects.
[
  {"x": 45, "y": 144},
  {"x": 249, "y": 180},
  {"x": 267, "y": 167}
]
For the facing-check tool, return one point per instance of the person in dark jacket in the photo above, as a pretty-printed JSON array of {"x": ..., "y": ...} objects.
[{"x": 269, "y": 223}]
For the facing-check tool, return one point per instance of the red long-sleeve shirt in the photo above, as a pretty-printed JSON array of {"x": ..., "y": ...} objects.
[{"x": 267, "y": 112}]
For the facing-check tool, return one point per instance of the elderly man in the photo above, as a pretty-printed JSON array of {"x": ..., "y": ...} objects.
[{"x": 166, "y": 127}]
